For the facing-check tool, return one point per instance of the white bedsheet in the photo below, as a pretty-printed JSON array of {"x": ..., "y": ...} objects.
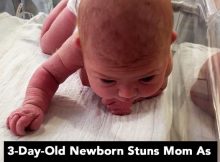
[{"x": 76, "y": 113}]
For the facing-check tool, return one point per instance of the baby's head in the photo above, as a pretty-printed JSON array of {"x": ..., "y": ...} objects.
[{"x": 126, "y": 46}]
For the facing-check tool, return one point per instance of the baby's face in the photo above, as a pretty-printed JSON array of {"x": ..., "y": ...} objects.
[
  {"x": 126, "y": 46},
  {"x": 141, "y": 79}
]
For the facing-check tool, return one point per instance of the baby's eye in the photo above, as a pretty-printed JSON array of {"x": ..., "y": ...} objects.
[
  {"x": 107, "y": 81},
  {"x": 147, "y": 79}
]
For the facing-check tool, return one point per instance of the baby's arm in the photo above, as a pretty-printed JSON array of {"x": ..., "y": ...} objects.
[
  {"x": 58, "y": 26},
  {"x": 42, "y": 87}
]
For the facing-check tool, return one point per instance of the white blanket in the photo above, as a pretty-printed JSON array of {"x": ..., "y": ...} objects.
[{"x": 76, "y": 113}]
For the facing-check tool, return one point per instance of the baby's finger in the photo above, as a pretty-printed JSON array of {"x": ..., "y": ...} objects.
[
  {"x": 36, "y": 122},
  {"x": 12, "y": 120},
  {"x": 23, "y": 123},
  {"x": 10, "y": 117}
]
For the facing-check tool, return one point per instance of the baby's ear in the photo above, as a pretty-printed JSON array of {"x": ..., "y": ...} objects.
[{"x": 173, "y": 36}]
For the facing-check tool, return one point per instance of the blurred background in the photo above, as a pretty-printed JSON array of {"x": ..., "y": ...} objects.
[{"x": 27, "y": 8}]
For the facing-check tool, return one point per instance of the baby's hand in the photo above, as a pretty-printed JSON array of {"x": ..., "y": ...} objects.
[
  {"x": 117, "y": 107},
  {"x": 26, "y": 118}
]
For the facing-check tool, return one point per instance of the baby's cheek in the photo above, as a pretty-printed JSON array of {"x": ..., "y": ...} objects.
[
  {"x": 103, "y": 92},
  {"x": 151, "y": 89}
]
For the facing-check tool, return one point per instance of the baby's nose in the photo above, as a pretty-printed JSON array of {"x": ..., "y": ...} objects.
[{"x": 127, "y": 92}]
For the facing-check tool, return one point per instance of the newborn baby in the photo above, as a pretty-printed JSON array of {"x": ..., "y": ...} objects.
[{"x": 123, "y": 50}]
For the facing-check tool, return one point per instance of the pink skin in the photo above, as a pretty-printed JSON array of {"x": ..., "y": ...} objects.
[
  {"x": 118, "y": 98},
  {"x": 58, "y": 26},
  {"x": 144, "y": 80},
  {"x": 68, "y": 59},
  {"x": 43, "y": 85},
  {"x": 26, "y": 118},
  {"x": 118, "y": 93}
]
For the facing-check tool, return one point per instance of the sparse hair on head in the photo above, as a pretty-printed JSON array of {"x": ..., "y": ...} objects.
[{"x": 130, "y": 28}]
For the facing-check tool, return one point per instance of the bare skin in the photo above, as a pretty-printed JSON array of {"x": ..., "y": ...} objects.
[
  {"x": 57, "y": 28},
  {"x": 118, "y": 94},
  {"x": 119, "y": 84}
]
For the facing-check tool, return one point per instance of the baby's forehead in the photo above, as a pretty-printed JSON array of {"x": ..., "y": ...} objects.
[
  {"x": 140, "y": 67},
  {"x": 127, "y": 48},
  {"x": 126, "y": 59}
]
